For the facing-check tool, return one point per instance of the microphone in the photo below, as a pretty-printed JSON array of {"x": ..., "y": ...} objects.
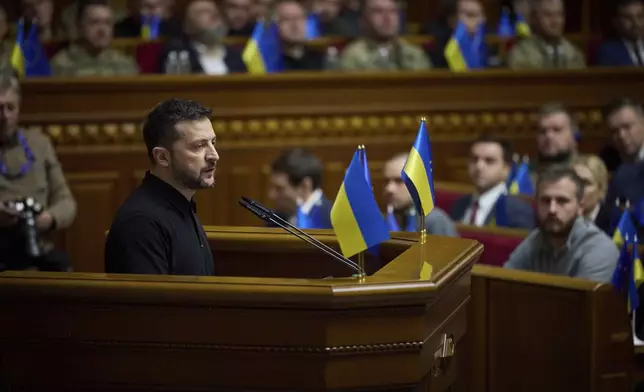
[{"x": 268, "y": 215}]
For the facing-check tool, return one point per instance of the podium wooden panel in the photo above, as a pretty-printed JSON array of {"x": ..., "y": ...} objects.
[{"x": 274, "y": 319}]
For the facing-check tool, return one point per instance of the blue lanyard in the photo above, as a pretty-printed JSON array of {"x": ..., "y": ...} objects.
[{"x": 28, "y": 154}]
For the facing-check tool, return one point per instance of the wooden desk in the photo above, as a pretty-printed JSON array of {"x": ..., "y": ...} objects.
[
  {"x": 245, "y": 329},
  {"x": 95, "y": 126}
]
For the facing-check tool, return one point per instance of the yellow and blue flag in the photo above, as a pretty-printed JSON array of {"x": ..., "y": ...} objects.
[
  {"x": 505, "y": 28},
  {"x": 355, "y": 216},
  {"x": 262, "y": 51},
  {"x": 28, "y": 56},
  {"x": 625, "y": 228},
  {"x": 629, "y": 274},
  {"x": 521, "y": 27},
  {"x": 312, "y": 26},
  {"x": 150, "y": 26},
  {"x": 417, "y": 172},
  {"x": 464, "y": 52},
  {"x": 521, "y": 184}
]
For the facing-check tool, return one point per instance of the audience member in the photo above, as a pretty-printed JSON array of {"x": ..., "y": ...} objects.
[
  {"x": 291, "y": 23},
  {"x": 468, "y": 12},
  {"x": 400, "y": 204},
  {"x": 489, "y": 167},
  {"x": 522, "y": 8},
  {"x": 296, "y": 190},
  {"x": 626, "y": 185},
  {"x": 130, "y": 27},
  {"x": 239, "y": 17},
  {"x": 261, "y": 9},
  {"x": 382, "y": 48},
  {"x": 332, "y": 21},
  {"x": 546, "y": 48},
  {"x": 29, "y": 168},
  {"x": 91, "y": 55},
  {"x": 69, "y": 18},
  {"x": 41, "y": 12},
  {"x": 556, "y": 138},
  {"x": 627, "y": 49},
  {"x": 201, "y": 44},
  {"x": 594, "y": 175},
  {"x": 565, "y": 242},
  {"x": 625, "y": 120}
]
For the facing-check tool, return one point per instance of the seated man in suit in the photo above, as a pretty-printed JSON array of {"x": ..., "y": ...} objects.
[
  {"x": 565, "y": 243},
  {"x": 627, "y": 184},
  {"x": 291, "y": 24},
  {"x": 624, "y": 119},
  {"x": 401, "y": 213},
  {"x": 489, "y": 166},
  {"x": 295, "y": 190},
  {"x": 547, "y": 48},
  {"x": 627, "y": 50},
  {"x": 200, "y": 49}
]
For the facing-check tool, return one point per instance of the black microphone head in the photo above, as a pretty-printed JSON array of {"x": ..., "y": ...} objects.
[
  {"x": 254, "y": 210},
  {"x": 256, "y": 204}
]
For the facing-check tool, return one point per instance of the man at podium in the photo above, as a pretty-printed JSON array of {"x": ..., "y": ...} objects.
[{"x": 156, "y": 230}]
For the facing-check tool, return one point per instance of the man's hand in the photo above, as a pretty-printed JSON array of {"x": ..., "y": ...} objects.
[
  {"x": 44, "y": 221},
  {"x": 8, "y": 216}
]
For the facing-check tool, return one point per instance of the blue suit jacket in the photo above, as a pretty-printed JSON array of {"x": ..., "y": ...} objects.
[
  {"x": 324, "y": 212},
  {"x": 613, "y": 53},
  {"x": 520, "y": 213},
  {"x": 627, "y": 184}
]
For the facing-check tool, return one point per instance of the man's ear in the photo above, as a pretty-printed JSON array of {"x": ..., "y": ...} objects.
[{"x": 161, "y": 156}]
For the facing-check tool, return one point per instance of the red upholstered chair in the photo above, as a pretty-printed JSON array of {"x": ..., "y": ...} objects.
[
  {"x": 148, "y": 56},
  {"x": 51, "y": 48},
  {"x": 498, "y": 243},
  {"x": 446, "y": 193}
]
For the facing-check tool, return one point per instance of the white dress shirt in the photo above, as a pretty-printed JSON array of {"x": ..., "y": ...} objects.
[
  {"x": 315, "y": 198},
  {"x": 211, "y": 60},
  {"x": 486, "y": 201},
  {"x": 593, "y": 214}
]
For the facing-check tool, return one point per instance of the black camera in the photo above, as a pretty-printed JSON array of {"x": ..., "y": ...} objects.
[{"x": 28, "y": 209}]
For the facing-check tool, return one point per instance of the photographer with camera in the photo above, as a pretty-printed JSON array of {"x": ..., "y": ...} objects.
[{"x": 34, "y": 197}]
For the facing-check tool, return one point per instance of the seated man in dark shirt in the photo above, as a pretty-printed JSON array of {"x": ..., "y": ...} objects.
[
  {"x": 156, "y": 230},
  {"x": 291, "y": 23}
]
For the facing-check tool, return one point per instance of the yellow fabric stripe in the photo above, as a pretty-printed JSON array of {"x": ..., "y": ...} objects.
[
  {"x": 417, "y": 173},
  {"x": 18, "y": 60},
  {"x": 345, "y": 225},
  {"x": 454, "y": 57},
  {"x": 253, "y": 58}
]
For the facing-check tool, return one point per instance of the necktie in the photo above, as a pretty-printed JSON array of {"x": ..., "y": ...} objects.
[
  {"x": 475, "y": 210},
  {"x": 555, "y": 56}
]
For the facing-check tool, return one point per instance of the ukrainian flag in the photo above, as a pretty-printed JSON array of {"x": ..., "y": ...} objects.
[
  {"x": 355, "y": 216},
  {"x": 17, "y": 57},
  {"x": 629, "y": 274},
  {"x": 625, "y": 228},
  {"x": 464, "y": 52},
  {"x": 28, "y": 57},
  {"x": 505, "y": 28},
  {"x": 521, "y": 26},
  {"x": 150, "y": 26},
  {"x": 312, "y": 27},
  {"x": 262, "y": 52},
  {"x": 522, "y": 184},
  {"x": 417, "y": 173}
]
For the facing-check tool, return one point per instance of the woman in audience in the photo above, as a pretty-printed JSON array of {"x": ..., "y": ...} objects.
[{"x": 593, "y": 172}]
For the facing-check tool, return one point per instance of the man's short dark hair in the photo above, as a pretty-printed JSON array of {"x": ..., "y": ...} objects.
[
  {"x": 619, "y": 4},
  {"x": 506, "y": 147},
  {"x": 621, "y": 103},
  {"x": 299, "y": 164},
  {"x": 160, "y": 125},
  {"x": 556, "y": 108},
  {"x": 83, "y": 5},
  {"x": 558, "y": 172}
]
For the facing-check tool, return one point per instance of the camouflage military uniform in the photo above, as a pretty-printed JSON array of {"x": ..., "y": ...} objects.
[
  {"x": 75, "y": 61},
  {"x": 44, "y": 181},
  {"x": 364, "y": 54},
  {"x": 534, "y": 53}
]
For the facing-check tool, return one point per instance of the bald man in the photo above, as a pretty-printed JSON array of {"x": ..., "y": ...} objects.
[
  {"x": 400, "y": 203},
  {"x": 546, "y": 48}
]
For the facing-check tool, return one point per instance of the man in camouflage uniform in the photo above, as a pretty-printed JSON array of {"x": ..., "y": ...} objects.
[
  {"x": 29, "y": 168},
  {"x": 91, "y": 56},
  {"x": 546, "y": 48},
  {"x": 382, "y": 48}
]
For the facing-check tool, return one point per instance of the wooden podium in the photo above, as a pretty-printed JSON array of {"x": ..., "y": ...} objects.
[{"x": 280, "y": 316}]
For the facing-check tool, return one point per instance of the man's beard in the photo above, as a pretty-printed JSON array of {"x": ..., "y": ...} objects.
[
  {"x": 190, "y": 181},
  {"x": 558, "y": 158},
  {"x": 562, "y": 231}
]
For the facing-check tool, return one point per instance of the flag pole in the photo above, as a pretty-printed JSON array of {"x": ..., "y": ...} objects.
[
  {"x": 362, "y": 274},
  {"x": 423, "y": 230}
]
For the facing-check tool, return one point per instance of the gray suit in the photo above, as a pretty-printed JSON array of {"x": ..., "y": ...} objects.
[{"x": 436, "y": 223}]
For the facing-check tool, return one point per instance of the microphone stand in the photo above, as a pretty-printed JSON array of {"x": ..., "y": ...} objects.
[{"x": 269, "y": 216}]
